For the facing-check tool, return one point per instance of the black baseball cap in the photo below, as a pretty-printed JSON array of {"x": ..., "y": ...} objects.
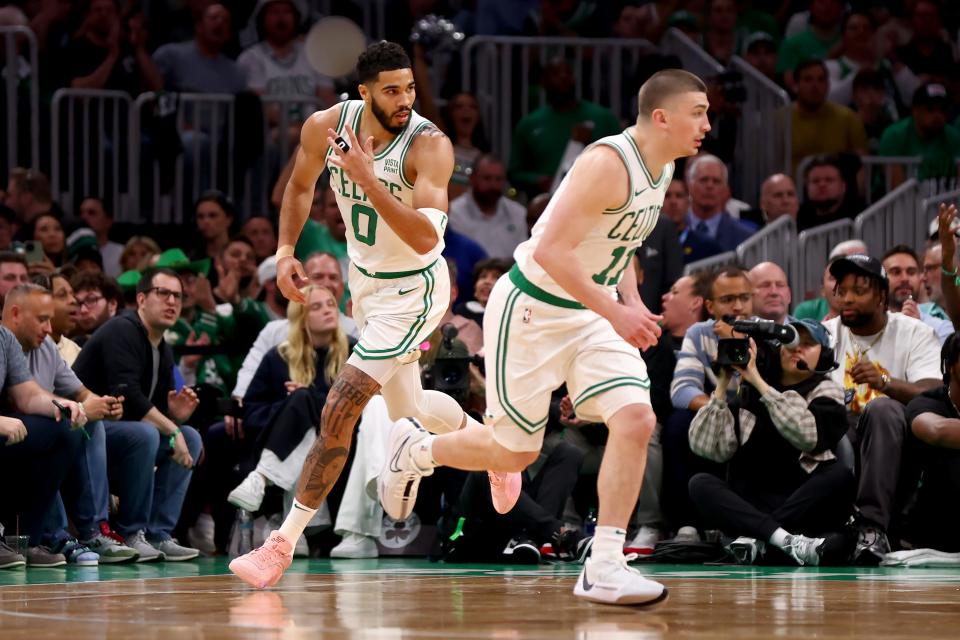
[
  {"x": 931, "y": 94},
  {"x": 861, "y": 265}
]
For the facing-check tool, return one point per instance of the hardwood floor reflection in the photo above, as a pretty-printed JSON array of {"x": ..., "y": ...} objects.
[{"x": 398, "y": 606}]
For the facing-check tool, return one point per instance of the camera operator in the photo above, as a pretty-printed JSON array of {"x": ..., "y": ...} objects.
[{"x": 779, "y": 435}]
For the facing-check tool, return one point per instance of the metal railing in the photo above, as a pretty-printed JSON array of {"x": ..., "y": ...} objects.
[
  {"x": 205, "y": 125},
  {"x": 928, "y": 208},
  {"x": 764, "y": 138},
  {"x": 503, "y": 73},
  {"x": 813, "y": 251},
  {"x": 891, "y": 220},
  {"x": 713, "y": 262},
  {"x": 692, "y": 56},
  {"x": 775, "y": 242},
  {"x": 21, "y": 99},
  {"x": 89, "y": 149}
]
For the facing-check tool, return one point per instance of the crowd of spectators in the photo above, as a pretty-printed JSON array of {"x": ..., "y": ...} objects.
[{"x": 164, "y": 368}]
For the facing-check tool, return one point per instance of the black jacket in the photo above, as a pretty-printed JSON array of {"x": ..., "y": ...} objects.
[{"x": 118, "y": 360}]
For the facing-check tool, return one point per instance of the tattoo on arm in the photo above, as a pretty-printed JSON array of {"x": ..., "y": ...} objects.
[{"x": 345, "y": 402}]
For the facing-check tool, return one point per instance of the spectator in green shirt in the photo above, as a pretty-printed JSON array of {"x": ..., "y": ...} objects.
[
  {"x": 325, "y": 229},
  {"x": 925, "y": 134},
  {"x": 540, "y": 138},
  {"x": 814, "y": 43}
]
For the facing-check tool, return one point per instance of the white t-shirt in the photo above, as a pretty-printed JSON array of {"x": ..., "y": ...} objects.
[
  {"x": 906, "y": 349},
  {"x": 291, "y": 76}
]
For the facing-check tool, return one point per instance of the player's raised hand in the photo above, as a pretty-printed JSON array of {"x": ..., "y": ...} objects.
[
  {"x": 290, "y": 277},
  {"x": 357, "y": 160},
  {"x": 637, "y": 326}
]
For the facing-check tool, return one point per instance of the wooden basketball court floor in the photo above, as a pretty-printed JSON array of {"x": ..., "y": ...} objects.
[{"x": 402, "y": 599}]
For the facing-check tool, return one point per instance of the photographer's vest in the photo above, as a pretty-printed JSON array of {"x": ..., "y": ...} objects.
[
  {"x": 606, "y": 250},
  {"x": 374, "y": 248}
]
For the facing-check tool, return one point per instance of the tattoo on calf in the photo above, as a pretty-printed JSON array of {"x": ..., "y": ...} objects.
[{"x": 345, "y": 402}]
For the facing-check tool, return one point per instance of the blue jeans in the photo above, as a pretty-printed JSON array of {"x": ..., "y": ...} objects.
[
  {"x": 149, "y": 500},
  {"x": 32, "y": 471},
  {"x": 85, "y": 491}
]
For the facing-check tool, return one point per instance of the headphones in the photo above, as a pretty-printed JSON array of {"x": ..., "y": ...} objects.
[{"x": 825, "y": 364}]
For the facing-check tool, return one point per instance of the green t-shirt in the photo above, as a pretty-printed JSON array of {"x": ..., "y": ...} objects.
[
  {"x": 816, "y": 309},
  {"x": 803, "y": 46},
  {"x": 541, "y": 137},
  {"x": 316, "y": 237},
  {"x": 939, "y": 154}
]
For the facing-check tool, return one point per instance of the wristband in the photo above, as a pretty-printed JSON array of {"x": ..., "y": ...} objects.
[
  {"x": 285, "y": 251},
  {"x": 948, "y": 273},
  {"x": 173, "y": 437}
]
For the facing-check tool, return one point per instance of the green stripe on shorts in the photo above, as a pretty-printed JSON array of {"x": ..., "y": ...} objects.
[
  {"x": 407, "y": 341},
  {"x": 607, "y": 385},
  {"x": 503, "y": 336}
]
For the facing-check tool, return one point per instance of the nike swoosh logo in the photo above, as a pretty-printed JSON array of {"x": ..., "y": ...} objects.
[
  {"x": 403, "y": 293},
  {"x": 296, "y": 506},
  {"x": 587, "y": 585},
  {"x": 637, "y": 193},
  {"x": 395, "y": 461}
]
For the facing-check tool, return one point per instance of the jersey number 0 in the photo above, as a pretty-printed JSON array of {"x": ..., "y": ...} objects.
[{"x": 364, "y": 220}]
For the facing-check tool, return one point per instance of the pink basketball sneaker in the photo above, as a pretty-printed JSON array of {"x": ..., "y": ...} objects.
[
  {"x": 505, "y": 490},
  {"x": 264, "y": 566}
]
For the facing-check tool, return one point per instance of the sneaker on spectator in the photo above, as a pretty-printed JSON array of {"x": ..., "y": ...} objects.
[
  {"x": 872, "y": 545},
  {"x": 355, "y": 545},
  {"x": 400, "y": 476},
  {"x": 521, "y": 550},
  {"x": 805, "y": 551},
  {"x": 147, "y": 552},
  {"x": 249, "y": 494},
  {"x": 572, "y": 545},
  {"x": 644, "y": 542},
  {"x": 10, "y": 559},
  {"x": 264, "y": 566},
  {"x": 746, "y": 550},
  {"x": 687, "y": 534},
  {"x": 41, "y": 556},
  {"x": 110, "y": 546},
  {"x": 200, "y": 535},
  {"x": 173, "y": 551},
  {"x": 77, "y": 553},
  {"x": 616, "y": 582}
]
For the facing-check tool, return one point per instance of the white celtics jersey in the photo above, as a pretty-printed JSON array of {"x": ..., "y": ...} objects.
[
  {"x": 608, "y": 247},
  {"x": 372, "y": 245}
]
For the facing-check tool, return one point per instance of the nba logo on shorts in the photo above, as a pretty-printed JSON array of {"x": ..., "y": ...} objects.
[{"x": 526, "y": 315}]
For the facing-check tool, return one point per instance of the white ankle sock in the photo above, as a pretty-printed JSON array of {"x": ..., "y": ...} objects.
[
  {"x": 422, "y": 454},
  {"x": 608, "y": 544},
  {"x": 296, "y": 521},
  {"x": 779, "y": 538}
]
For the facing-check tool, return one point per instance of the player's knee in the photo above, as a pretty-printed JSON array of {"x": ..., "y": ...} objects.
[{"x": 635, "y": 423}]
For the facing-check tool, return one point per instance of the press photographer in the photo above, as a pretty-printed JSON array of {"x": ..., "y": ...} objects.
[{"x": 785, "y": 486}]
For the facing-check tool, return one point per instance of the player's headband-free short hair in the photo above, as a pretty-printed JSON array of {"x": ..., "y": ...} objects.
[
  {"x": 665, "y": 84},
  {"x": 381, "y": 56}
]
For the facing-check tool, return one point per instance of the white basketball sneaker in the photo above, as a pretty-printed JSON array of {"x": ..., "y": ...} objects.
[
  {"x": 616, "y": 582},
  {"x": 400, "y": 477}
]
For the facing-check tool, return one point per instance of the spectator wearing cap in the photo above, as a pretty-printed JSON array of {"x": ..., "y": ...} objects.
[
  {"x": 785, "y": 487},
  {"x": 96, "y": 216},
  {"x": 83, "y": 252},
  {"x": 926, "y": 134},
  {"x": 760, "y": 50},
  {"x": 819, "y": 125},
  {"x": 886, "y": 360}
]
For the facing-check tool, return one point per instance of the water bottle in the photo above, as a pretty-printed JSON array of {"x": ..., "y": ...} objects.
[
  {"x": 590, "y": 524},
  {"x": 244, "y": 531}
]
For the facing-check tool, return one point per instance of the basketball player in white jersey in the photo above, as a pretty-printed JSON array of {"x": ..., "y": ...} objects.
[
  {"x": 556, "y": 318},
  {"x": 392, "y": 193}
]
